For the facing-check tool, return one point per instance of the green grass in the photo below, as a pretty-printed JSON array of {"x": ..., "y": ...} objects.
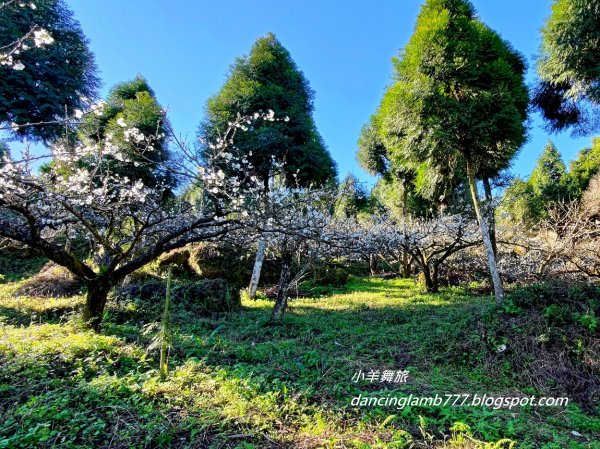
[{"x": 238, "y": 381}]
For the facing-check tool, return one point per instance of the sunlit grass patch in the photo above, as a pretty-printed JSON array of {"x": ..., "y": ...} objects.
[{"x": 238, "y": 381}]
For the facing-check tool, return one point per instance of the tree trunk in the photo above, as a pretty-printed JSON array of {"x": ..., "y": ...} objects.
[
  {"x": 405, "y": 258},
  {"x": 258, "y": 263},
  {"x": 431, "y": 279},
  {"x": 372, "y": 264},
  {"x": 405, "y": 265},
  {"x": 487, "y": 188},
  {"x": 281, "y": 301},
  {"x": 95, "y": 301},
  {"x": 489, "y": 250}
]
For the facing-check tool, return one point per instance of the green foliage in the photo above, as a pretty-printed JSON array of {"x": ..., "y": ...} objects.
[
  {"x": 458, "y": 96},
  {"x": 551, "y": 184},
  {"x": 372, "y": 155},
  {"x": 268, "y": 79},
  {"x": 584, "y": 168},
  {"x": 521, "y": 204},
  {"x": 222, "y": 261},
  {"x": 458, "y": 102},
  {"x": 56, "y": 76},
  {"x": 15, "y": 267},
  {"x": 569, "y": 67},
  {"x": 145, "y": 301},
  {"x": 548, "y": 177},
  {"x": 134, "y": 103},
  {"x": 543, "y": 295},
  {"x": 290, "y": 383},
  {"x": 530, "y": 201},
  {"x": 353, "y": 198}
]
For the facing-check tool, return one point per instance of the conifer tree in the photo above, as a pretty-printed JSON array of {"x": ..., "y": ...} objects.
[
  {"x": 268, "y": 79},
  {"x": 568, "y": 92},
  {"x": 458, "y": 103},
  {"x": 46, "y": 68}
]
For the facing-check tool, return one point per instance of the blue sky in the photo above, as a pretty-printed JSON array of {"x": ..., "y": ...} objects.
[{"x": 184, "y": 49}]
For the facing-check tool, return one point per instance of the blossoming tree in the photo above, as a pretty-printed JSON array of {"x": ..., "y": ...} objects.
[{"x": 122, "y": 223}]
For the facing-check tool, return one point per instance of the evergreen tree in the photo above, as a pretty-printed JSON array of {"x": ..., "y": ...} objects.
[
  {"x": 403, "y": 188},
  {"x": 548, "y": 185},
  {"x": 583, "y": 169},
  {"x": 569, "y": 66},
  {"x": 268, "y": 79},
  {"x": 458, "y": 103},
  {"x": 521, "y": 204},
  {"x": 133, "y": 104},
  {"x": 549, "y": 175},
  {"x": 4, "y": 153},
  {"x": 353, "y": 198},
  {"x": 53, "y": 79}
]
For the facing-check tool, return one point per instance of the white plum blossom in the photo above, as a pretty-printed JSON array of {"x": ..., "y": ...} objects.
[
  {"x": 42, "y": 37},
  {"x": 131, "y": 134},
  {"x": 38, "y": 37}
]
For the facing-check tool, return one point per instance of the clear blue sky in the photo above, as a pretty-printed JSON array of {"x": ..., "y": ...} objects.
[{"x": 344, "y": 48}]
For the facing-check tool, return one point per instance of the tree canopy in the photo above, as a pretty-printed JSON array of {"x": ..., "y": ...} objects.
[
  {"x": 268, "y": 79},
  {"x": 568, "y": 93},
  {"x": 352, "y": 198},
  {"x": 47, "y": 82},
  {"x": 584, "y": 168},
  {"x": 133, "y": 120},
  {"x": 458, "y": 102},
  {"x": 548, "y": 185}
]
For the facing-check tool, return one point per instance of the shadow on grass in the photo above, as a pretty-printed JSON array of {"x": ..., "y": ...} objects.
[{"x": 312, "y": 354}]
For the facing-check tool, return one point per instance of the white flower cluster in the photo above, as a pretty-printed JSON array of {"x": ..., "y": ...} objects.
[
  {"x": 95, "y": 108},
  {"x": 36, "y": 37},
  {"x": 242, "y": 180},
  {"x": 134, "y": 134},
  {"x": 10, "y": 173},
  {"x": 42, "y": 37}
]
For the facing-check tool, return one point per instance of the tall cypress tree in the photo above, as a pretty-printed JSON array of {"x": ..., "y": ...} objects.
[
  {"x": 549, "y": 175},
  {"x": 268, "y": 79},
  {"x": 133, "y": 104},
  {"x": 583, "y": 169},
  {"x": 458, "y": 103}
]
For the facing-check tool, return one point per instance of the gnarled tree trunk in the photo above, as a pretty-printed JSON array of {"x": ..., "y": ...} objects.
[
  {"x": 431, "y": 275},
  {"x": 405, "y": 264},
  {"x": 95, "y": 301}
]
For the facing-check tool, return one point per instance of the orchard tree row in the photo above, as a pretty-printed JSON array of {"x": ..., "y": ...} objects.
[{"x": 117, "y": 187}]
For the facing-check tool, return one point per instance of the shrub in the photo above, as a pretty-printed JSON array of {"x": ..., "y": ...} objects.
[
  {"x": 331, "y": 275},
  {"x": 221, "y": 261},
  {"x": 544, "y": 294},
  {"x": 179, "y": 261},
  {"x": 198, "y": 298},
  {"x": 553, "y": 324},
  {"x": 52, "y": 281}
]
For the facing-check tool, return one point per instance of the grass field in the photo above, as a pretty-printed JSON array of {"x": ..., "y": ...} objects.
[{"x": 238, "y": 381}]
